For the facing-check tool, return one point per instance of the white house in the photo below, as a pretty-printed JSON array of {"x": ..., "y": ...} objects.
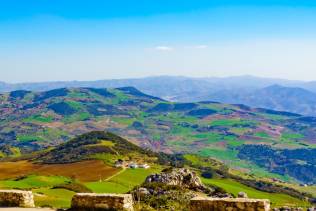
[
  {"x": 133, "y": 166},
  {"x": 144, "y": 166}
]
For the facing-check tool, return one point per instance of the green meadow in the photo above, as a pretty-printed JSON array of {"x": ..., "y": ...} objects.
[
  {"x": 34, "y": 181},
  {"x": 276, "y": 199},
  {"x": 123, "y": 182}
]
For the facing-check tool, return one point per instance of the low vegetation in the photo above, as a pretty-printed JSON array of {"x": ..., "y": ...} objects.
[{"x": 277, "y": 199}]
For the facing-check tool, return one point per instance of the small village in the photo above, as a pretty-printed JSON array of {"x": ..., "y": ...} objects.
[{"x": 133, "y": 165}]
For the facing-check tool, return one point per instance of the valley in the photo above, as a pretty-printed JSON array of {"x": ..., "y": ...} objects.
[
  {"x": 46, "y": 144},
  {"x": 31, "y": 121}
]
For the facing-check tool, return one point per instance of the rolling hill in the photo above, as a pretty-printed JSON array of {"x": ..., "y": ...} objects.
[
  {"x": 31, "y": 121},
  {"x": 276, "y": 94}
]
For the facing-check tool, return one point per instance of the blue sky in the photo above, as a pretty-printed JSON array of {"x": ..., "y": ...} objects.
[{"x": 44, "y": 40}]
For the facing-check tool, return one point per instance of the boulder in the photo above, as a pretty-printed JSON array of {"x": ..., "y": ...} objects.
[
  {"x": 142, "y": 192},
  {"x": 16, "y": 198},
  {"x": 242, "y": 195}
]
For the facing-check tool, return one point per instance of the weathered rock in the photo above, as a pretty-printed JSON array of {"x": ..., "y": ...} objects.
[
  {"x": 92, "y": 201},
  {"x": 221, "y": 195},
  {"x": 285, "y": 208},
  {"x": 242, "y": 195},
  {"x": 16, "y": 198},
  {"x": 141, "y": 192},
  {"x": 179, "y": 177},
  {"x": 236, "y": 204}
]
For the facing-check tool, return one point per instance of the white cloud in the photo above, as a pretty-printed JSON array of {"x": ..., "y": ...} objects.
[{"x": 164, "y": 48}]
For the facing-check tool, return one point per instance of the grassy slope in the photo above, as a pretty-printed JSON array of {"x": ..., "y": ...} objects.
[
  {"x": 34, "y": 181},
  {"x": 58, "y": 198},
  {"x": 47, "y": 195},
  {"x": 123, "y": 182},
  {"x": 42, "y": 186},
  {"x": 276, "y": 199}
]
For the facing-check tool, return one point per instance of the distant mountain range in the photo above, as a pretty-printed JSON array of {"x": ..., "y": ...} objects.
[{"x": 278, "y": 94}]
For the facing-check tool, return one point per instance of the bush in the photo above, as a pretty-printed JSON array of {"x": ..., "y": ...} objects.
[
  {"x": 73, "y": 186},
  {"x": 208, "y": 173}
]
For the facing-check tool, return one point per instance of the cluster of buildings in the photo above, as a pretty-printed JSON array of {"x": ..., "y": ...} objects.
[{"x": 122, "y": 164}]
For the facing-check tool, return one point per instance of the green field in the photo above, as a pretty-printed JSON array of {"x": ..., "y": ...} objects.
[
  {"x": 46, "y": 195},
  {"x": 277, "y": 200},
  {"x": 123, "y": 182},
  {"x": 39, "y": 118},
  {"x": 43, "y": 188},
  {"x": 58, "y": 198},
  {"x": 34, "y": 181}
]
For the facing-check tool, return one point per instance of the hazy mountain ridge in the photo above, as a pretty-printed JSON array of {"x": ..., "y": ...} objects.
[
  {"x": 277, "y": 94},
  {"x": 290, "y": 99}
]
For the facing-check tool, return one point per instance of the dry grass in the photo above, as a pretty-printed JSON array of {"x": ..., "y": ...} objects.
[
  {"x": 10, "y": 170},
  {"x": 85, "y": 171}
]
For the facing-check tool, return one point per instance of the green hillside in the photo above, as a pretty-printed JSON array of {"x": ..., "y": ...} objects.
[
  {"x": 86, "y": 164},
  {"x": 37, "y": 120},
  {"x": 83, "y": 164}
]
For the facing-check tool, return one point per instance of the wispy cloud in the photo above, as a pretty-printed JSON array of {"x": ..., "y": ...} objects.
[
  {"x": 190, "y": 47},
  {"x": 200, "y": 46},
  {"x": 170, "y": 48},
  {"x": 164, "y": 48}
]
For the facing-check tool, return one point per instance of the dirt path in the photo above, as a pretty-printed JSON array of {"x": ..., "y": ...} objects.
[{"x": 114, "y": 175}]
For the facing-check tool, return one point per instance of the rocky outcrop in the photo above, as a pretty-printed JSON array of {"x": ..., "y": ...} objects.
[
  {"x": 242, "y": 195},
  {"x": 16, "y": 198},
  {"x": 100, "y": 202},
  {"x": 229, "y": 204},
  {"x": 184, "y": 178}
]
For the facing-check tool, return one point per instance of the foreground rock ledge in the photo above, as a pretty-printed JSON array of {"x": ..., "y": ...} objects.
[
  {"x": 229, "y": 204},
  {"x": 91, "y": 201},
  {"x": 16, "y": 198}
]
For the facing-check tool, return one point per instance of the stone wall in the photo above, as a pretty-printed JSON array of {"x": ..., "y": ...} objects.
[
  {"x": 229, "y": 204},
  {"x": 16, "y": 198},
  {"x": 91, "y": 201}
]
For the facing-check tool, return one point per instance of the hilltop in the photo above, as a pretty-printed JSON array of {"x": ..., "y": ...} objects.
[
  {"x": 94, "y": 145},
  {"x": 31, "y": 121}
]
